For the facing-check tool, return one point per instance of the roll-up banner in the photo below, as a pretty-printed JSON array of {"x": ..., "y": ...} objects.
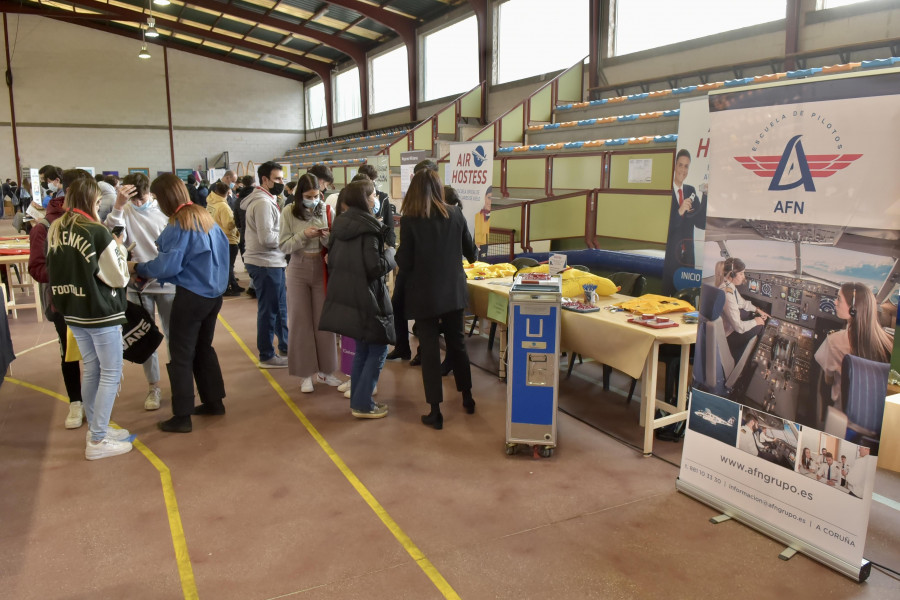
[
  {"x": 687, "y": 208},
  {"x": 470, "y": 172},
  {"x": 798, "y": 310}
]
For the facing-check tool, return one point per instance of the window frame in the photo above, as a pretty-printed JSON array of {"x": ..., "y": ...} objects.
[
  {"x": 308, "y": 106},
  {"x": 420, "y": 49},
  {"x": 371, "y": 91}
]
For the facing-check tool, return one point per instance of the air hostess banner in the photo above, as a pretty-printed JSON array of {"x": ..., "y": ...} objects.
[
  {"x": 798, "y": 309},
  {"x": 470, "y": 172}
]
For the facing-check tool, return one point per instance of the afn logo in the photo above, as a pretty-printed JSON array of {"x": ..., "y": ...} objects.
[{"x": 794, "y": 168}]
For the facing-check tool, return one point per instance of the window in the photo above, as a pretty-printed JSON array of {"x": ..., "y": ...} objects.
[
  {"x": 536, "y": 37},
  {"x": 835, "y": 3},
  {"x": 643, "y": 24},
  {"x": 451, "y": 59},
  {"x": 390, "y": 80},
  {"x": 315, "y": 106},
  {"x": 347, "y": 104}
]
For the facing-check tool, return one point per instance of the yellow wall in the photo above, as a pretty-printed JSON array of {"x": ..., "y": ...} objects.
[
  {"x": 661, "y": 177},
  {"x": 633, "y": 216},
  {"x": 524, "y": 173},
  {"x": 577, "y": 172},
  {"x": 558, "y": 218},
  {"x": 508, "y": 218}
]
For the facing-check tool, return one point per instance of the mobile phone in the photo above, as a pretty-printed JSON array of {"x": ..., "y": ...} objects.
[{"x": 117, "y": 230}]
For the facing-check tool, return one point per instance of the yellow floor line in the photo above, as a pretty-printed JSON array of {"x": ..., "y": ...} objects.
[
  {"x": 185, "y": 570},
  {"x": 429, "y": 569}
]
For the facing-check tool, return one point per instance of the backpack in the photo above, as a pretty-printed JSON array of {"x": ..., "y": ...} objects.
[{"x": 46, "y": 293}]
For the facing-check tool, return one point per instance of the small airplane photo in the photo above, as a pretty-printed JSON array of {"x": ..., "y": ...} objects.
[{"x": 707, "y": 415}]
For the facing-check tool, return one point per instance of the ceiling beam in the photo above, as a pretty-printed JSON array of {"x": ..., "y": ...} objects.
[
  {"x": 116, "y": 12},
  {"x": 135, "y": 35}
]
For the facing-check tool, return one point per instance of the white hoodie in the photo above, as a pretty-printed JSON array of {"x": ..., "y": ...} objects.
[
  {"x": 143, "y": 228},
  {"x": 263, "y": 220}
]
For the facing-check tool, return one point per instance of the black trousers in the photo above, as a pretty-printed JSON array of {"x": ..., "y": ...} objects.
[
  {"x": 398, "y": 302},
  {"x": 232, "y": 255},
  {"x": 191, "y": 330},
  {"x": 451, "y": 325},
  {"x": 71, "y": 372}
]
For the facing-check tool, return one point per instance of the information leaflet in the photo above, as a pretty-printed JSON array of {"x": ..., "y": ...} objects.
[{"x": 798, "y": 309}]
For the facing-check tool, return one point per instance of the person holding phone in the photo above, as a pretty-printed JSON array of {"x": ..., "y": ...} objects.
[
  {"x": 137, "y": 218},
  {"x": 312, "y": 354}
]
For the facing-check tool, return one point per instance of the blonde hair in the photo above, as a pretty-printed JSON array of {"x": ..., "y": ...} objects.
[{"x": 83, "y": 194}]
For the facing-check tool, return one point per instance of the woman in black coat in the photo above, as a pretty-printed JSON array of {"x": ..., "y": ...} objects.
[
  {"x": 433, "y": 239},
  {"x": 357, "y": 303}
]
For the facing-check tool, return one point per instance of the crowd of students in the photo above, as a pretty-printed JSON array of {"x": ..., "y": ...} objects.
[{"x": 318, "y": 270}]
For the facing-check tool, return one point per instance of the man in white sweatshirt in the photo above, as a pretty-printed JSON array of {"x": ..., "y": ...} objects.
[
  {"x": 265, "y": 264},
  {"x": 136, "y": 210}
]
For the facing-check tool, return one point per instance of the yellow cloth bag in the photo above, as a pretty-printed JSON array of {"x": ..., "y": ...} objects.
[
  {"x": 573, "y": 281},
  {"x": 73, "y": 354},
  {"x": 653, "y": 304},
  {"x": 487, "y": 270}
]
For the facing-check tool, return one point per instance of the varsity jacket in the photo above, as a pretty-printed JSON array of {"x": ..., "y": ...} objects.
[{"x": 88, "y": 271}]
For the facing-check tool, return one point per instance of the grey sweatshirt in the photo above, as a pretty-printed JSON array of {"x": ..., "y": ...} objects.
[{"x": 261, "y": 237}]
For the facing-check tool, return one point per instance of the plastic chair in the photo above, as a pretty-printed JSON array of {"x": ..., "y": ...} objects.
[
  {"x": 524, "y": 261},
  {"x": 580, "y": 268}
]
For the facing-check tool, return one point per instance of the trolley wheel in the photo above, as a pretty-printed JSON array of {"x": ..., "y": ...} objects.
[
  {"x": 511, "y": 449},
  {"x": 546, "y": 451}
]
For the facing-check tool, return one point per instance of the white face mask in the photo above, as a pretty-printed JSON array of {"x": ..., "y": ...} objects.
[{"x": 53, "y": 187}]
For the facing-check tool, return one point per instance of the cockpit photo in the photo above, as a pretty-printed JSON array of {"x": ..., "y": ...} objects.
[{"x": 798, "y": 320}]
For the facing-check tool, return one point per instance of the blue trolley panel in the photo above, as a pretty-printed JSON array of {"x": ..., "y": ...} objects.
[{"x": 534, "y": 339}]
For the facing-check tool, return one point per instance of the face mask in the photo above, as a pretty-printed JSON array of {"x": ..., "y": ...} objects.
[
  {"x": 231, "y": 185},
  {"x": 276, "y": 189},
  {"x": 53, "y": 187},
  {"x": 377, "y": 206},
  {"x": 310, "y": 203},
  {"x": 142, "y": 208}
]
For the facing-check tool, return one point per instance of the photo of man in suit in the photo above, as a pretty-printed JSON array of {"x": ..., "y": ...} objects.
[{"x": 687, "y": 209}]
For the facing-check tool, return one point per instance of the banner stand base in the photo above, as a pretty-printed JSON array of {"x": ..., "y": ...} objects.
[
  {"x": 787, "y": 554},
  {"x": 719, "y": 519},
  {"x": 858, "y": 573}
]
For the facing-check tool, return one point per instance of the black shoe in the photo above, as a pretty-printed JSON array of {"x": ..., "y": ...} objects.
[
  {"x": 397, "y": 354},
  {"x": 231, "y": 292},
  {"x": 235, "y": 286},
  {"x": 446, "y": 368},
  {"x": 416, "y": 361},
  {"x": 469, "y": 403},
  {"x": 176, "y": 425},
  {"x": 251, "y": 292},
  {"x": 434, "y": 418},
  {"x": 210, "y": 409}
]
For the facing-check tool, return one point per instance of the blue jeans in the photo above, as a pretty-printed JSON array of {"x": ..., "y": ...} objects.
[
  {"x": 367, "y": 365},
  {"x": 271, "y": 315},
  {"x": 101, "y": 355},
  {"x": 152, "y": 303}
]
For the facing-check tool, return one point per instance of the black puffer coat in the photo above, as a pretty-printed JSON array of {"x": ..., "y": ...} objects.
[{"x": 357, "y": 303}]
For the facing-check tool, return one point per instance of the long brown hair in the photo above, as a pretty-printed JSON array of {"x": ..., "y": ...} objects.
[
  {"x": 425, "y": 191},
  {"x": 867, "y": 338},
  {"x": 174, "y": 201},
  {"x": 83, "y": 195},
  {"x": 307, "y": 182}
]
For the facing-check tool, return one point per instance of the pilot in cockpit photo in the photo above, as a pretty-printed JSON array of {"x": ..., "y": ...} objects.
[
  {"x": 863, "y": 336},
  {"x": 741, "y": 319}
]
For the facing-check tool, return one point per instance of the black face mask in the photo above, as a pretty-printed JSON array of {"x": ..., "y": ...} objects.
[{"x": 276, "y": 189}]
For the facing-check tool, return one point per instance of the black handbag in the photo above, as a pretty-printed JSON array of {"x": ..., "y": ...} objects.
[{"x": 140, "y": 335}]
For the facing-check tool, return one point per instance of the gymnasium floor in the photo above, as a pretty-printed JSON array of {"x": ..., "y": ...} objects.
[{"x": 288, "y": 496}]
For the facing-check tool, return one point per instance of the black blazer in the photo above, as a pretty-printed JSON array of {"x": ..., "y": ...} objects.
[{"x": 430, "y": 255}]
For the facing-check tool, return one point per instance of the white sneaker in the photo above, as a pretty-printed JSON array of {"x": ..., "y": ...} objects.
[
  {"x": 276, "y": 362},
  {"x": 75, "y": 416},
  {"x": 347, "y": 393},
  {"x": 151, "y": 402},
  {"x": 344, "y": 387},
  {"x": 328, "y": 379},
  {"x": 106, "y": 448},
  {"x": 306, "y": 386},
  {"x": 112, "y": 433}
]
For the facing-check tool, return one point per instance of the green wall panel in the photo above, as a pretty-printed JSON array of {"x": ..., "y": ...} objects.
[
  {"x": 395, "y": 151},
  {"x": 541, "y": 110},
  {"x": 524, "y": 173},
  {"x": 661, "y": 176},
  {"x": 447, "y": 121},
  {"x": 571, "y": 85},
  {"x": 577, "y": 172},
  {"x": 496, "y": 176},
  {"x": 633, "y": 216},
  {"x": 422, "y": 138},
  {"x": 470, "y": 105},
  {"x": 511, "y": 129},
  {"x": 558, "y": 219},
  {"x": 508, "y": 218}
]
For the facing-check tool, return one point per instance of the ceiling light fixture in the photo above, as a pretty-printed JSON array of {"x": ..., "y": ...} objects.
[
  {"x": 151, "y": 28},
  {"x": 144, "y": 53},
  {"x": 161, "y": 2}
]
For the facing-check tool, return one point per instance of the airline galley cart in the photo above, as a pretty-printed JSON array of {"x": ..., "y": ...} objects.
[{"x": 533, "y": 372}]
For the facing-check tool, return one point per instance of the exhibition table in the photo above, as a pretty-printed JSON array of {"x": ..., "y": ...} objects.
[
  {"x": 609, "y": 338},
  {"x": 18, "y": 257}
]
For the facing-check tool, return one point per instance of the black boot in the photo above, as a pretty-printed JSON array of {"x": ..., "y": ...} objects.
[
  {"x": 176, "y": 425},
  {"x": 210, "y": 409},
  {"x": 468, "y": 402},
  {"x": 446, "y": 367},
  {"x": 417, "y": 360},
  {"x": 434, "y": 418}
]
